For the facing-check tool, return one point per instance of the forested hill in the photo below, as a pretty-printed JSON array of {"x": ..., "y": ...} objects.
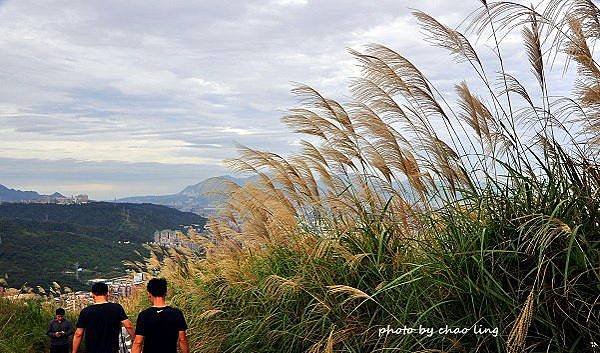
[
  {"x": 41, "y": 243},
  {"x": 111, "y": 221}
]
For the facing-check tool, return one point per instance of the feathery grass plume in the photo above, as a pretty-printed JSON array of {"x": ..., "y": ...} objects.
[
  {"x": 533, "y": 45},
  {"x": 518, "y": 334},
  {"x": 476, "y": 114},
  {"x": 445, "y": 37},
  {"x": 353, "y": 293},
  {"x": 406, "y": 207},
  {"x": 277, "y": 286}
]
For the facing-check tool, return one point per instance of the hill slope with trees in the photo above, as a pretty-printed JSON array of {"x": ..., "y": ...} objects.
[{"x": 41, "y": 243}]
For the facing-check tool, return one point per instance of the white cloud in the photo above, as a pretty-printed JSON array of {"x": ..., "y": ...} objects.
[
  {"x": 291, "y": 2},
  {"x": 181, "y": 82}
]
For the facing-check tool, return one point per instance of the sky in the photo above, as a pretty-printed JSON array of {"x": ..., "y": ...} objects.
[{"x": 123, "y": 98}]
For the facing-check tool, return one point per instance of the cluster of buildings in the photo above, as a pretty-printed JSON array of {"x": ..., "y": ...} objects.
[
  {"x": 174, "y": 239},
  {"x": 206, "y": 212},
  {"x": 122, "y": 286},
  {"x": 55, "y": 198},
  {"x": 62, "y": 200},
  {"x": 118, "y": 288}
]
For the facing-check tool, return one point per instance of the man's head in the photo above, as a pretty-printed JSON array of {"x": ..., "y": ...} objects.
[
  {"x": 99, "y": 291},
  {"x": 157, "y": 287},
  {"x": 60, "y": 314}
]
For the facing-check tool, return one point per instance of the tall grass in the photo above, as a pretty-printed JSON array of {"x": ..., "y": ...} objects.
[
  {"x": 23, "y": 326},
  {"x": 406, "y": 209}
]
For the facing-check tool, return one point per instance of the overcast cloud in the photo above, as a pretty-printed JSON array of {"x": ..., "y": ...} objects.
[{"x": 118, "y": 98}]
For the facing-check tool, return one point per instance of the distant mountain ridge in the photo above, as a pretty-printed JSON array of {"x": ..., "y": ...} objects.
[
  {"x": 207, "y": 193},
  {"x": 14, "y": 195}
]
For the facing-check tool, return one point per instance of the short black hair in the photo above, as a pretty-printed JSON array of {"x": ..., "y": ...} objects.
[
  {"x": 99, "y": 288},
  {"x": 157, "y": 287},
  {"x": 60, "y": 311}
]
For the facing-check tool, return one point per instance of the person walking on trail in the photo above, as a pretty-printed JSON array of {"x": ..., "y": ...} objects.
[
  {"x": 160, "y": 327},
  {"x": 59, "y": 331},
  {"x": 101, "y": 323}
]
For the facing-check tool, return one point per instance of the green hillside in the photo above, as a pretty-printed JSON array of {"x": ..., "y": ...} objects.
[
  {"x": 123, "y": 221},
  {"x": 42, "y": 243}
]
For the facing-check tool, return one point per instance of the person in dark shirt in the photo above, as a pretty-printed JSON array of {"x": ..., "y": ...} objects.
[
  {"x": 59, "y": 331},
  {"x": 101, "y": 323},
  {"x": 160, "y": 327}
]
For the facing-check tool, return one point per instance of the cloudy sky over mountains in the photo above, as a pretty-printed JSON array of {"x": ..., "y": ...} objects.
[{"x": 118, "y": 98}]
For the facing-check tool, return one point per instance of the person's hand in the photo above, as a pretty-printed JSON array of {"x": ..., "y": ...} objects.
[{"x": 56, "y": 334}]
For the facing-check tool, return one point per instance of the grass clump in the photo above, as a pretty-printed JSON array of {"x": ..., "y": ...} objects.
[
  {"x": 23, "y": 325},
  {"x": 405, "y": 209}
]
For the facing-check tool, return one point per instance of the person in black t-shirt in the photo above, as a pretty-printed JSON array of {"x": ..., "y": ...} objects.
[
  {"x": 160, "y": 327},
  {"x": 101, "y": 323}
]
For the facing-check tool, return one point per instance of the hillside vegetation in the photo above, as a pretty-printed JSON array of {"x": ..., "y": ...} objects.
[
  {"x": 23, "y": 326},
  {"x": 42, "y": 243},
  {"x": 133, "y": 222},
  {"x": 481, "y": 213}
]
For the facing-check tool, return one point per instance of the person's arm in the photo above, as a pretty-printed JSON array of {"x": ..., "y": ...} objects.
[
  {"x": 126, "y": 322},
  {"x": 50, "y": 331},
  {"x": 77, "y": 339},
  {"x": 129, "y": 327},
  {"x": 183, "y": 342},
  {"x": 138, "y": 343}
]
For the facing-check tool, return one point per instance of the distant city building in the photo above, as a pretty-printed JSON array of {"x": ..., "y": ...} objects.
[
  {"x": 59, "y": 199},
  {"x": 207, "y": 211},
  {"x": 166, "y": 237},
  {"x": 122, "y": 286},
  {"x": 173, "y": 238},
  {"x": 139, "y": 278},
  {"x": 64, "y": 200}
]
